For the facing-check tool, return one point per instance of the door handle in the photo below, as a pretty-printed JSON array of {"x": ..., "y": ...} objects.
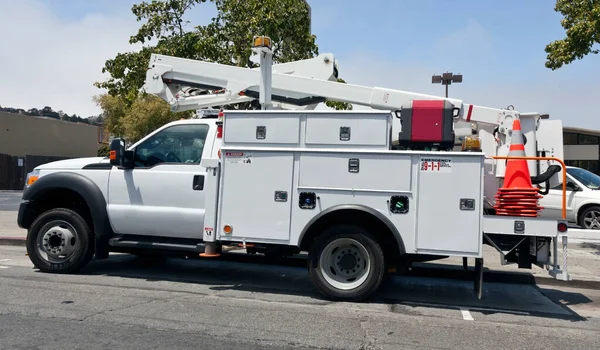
[{"x": 198, "y": 183}]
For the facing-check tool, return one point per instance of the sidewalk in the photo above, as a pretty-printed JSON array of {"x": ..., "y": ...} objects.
[
  {"x": 10, "y": 232},
  {"x": 583, "y": 259}
]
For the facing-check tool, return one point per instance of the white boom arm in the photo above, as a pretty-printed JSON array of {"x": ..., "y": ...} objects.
[
  {"x": 300, "y": 83},
  {"x": 179, "y": 81}
]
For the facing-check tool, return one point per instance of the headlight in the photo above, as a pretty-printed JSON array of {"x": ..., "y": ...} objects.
[{"x": 31, "y": 178}]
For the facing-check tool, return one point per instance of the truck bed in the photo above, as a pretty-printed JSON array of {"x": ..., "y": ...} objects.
[{"x": 272, "y": 187}]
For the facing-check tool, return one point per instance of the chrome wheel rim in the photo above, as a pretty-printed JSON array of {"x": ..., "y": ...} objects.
[
  {"x": 58, "y": 242},
  {"x": 591, "y": 220},
  {"x": 345, "y": 263}
]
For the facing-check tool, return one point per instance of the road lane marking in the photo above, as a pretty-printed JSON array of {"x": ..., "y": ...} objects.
[
  {"x": 474, "y": 308},
  {"x": 4, "y": 267},
  {"x": 466, "y": 315}
]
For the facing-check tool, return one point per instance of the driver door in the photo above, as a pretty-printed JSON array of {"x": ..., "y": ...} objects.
[{"x": 163, "y": 195}]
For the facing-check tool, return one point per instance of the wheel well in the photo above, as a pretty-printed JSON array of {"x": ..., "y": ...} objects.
[
  {"x": 583, "y": 208},
  {"x": 63, "y": 198},
  {"x": 384, "y": 235}
]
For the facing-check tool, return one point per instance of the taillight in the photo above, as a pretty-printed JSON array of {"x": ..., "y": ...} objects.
[
  {"x": 562, "y": 227},
  {"x": 220, "y": 124}
]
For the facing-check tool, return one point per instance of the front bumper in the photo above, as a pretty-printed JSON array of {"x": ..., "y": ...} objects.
[{"x": 26, "y": 214}]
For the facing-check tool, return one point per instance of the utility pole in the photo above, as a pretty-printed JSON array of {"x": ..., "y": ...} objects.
[{"x": 446, "y": 79}]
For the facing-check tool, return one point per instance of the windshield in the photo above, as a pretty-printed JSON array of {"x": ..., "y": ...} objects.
[{"x": 587, "y": 178}]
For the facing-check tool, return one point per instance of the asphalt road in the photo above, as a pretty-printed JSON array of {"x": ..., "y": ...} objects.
[
  {"x": 126, "y": 303},
  {"x": 9, "y": 201}
]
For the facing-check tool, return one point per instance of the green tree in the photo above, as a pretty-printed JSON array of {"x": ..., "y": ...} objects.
[
  {"x": 582, "y": 25},
  {"x": 103, "y": 150},
  {"x": 145, "y": 114},
  {"x": 226, "y": 39},
  {"x": 113, "y": 112}
]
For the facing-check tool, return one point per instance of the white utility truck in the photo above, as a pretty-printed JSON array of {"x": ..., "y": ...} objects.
[{"x": 345, "y": 186}]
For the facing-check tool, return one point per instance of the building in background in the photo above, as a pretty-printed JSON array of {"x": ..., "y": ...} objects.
[
  {"x": 582, "y": 148},
  {"x": 22, "y": 135},
  {"x": 28, "y": 141}
]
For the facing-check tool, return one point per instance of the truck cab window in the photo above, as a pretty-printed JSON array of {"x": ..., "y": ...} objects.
[{"x": 177, "y": 144}]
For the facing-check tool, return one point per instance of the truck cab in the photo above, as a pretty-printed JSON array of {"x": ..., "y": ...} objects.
[{"x": 162, "y": 192}]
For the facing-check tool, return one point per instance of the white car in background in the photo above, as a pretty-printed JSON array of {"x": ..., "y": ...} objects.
[{"x": 583, "y": 199}]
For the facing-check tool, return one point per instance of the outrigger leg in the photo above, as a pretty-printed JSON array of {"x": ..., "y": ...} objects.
[
  {"x": 478, "y": 286},
  {"x": 210, "y": 250}
]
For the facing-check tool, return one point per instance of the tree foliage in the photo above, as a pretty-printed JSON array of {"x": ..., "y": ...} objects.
[
  {"x": 226, "y": 39},
  {"x": 113, "y": 111},
  {"x": 145, "y": 114},
  {"x": 582, "y": 25}
]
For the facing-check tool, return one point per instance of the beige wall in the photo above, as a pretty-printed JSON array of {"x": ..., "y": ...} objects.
[{"x": 22, "y": 135}]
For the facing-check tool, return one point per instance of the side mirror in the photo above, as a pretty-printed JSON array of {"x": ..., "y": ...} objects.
[
  {"x": 117, "y": 152},
  {"x": 120, "y": 157},
  {"x": 572, "y": 186}
]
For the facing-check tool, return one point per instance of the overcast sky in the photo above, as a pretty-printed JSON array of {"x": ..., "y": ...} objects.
[{"x": 54, "y": 50}]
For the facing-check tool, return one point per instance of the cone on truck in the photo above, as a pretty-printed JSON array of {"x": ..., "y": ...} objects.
[{"x": 517, "y": 197}]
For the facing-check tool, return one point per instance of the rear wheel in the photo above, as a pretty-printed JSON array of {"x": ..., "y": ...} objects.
[
  {"x": 346, "y": 263},
  {"x": 59, "y": 241}
]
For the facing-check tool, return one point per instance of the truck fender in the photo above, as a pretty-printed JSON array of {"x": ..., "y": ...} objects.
[
  {"x": 355, "y": 207},
  {"x": 86, "y": 188}
]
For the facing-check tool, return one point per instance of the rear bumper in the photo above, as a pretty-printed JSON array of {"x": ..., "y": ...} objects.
[{"x": 522, "y": 226}]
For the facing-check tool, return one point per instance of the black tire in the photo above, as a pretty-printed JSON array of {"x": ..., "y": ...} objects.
[
  {"x": 82, "y": 249},
  {"x": 369, "y": 245},
  {"x": 585, "y": 213}
]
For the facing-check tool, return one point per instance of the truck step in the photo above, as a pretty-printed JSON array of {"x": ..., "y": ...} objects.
[{"x": 158, "y": 244}]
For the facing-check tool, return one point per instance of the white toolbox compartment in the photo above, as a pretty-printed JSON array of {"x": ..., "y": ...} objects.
[{"x": 314, "y": 129}]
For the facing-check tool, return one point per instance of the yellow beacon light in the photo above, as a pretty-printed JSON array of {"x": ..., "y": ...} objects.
[
  {"x": 471, "y": 144},
  {"x": 261, "y": 41}
]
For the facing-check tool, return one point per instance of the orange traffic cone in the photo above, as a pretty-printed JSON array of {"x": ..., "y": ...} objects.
[{"x": 517, "y": 197}]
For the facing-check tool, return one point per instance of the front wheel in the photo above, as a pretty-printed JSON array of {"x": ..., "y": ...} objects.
[
  {"x": 60, "y": 241},
  {"x": 346, "y": 263}
]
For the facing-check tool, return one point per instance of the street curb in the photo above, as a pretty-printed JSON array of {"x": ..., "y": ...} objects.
[
  {"x": 579, "y": 284},
  {"x": 495, "y": 276},
  {"x": 18, "y": 241},
  {"x": 585, "y": 235}
]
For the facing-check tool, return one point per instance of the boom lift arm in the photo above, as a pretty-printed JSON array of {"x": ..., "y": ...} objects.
[
  {"x": 185, "y": 83},
  {"x": 299, "y": 83}
]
